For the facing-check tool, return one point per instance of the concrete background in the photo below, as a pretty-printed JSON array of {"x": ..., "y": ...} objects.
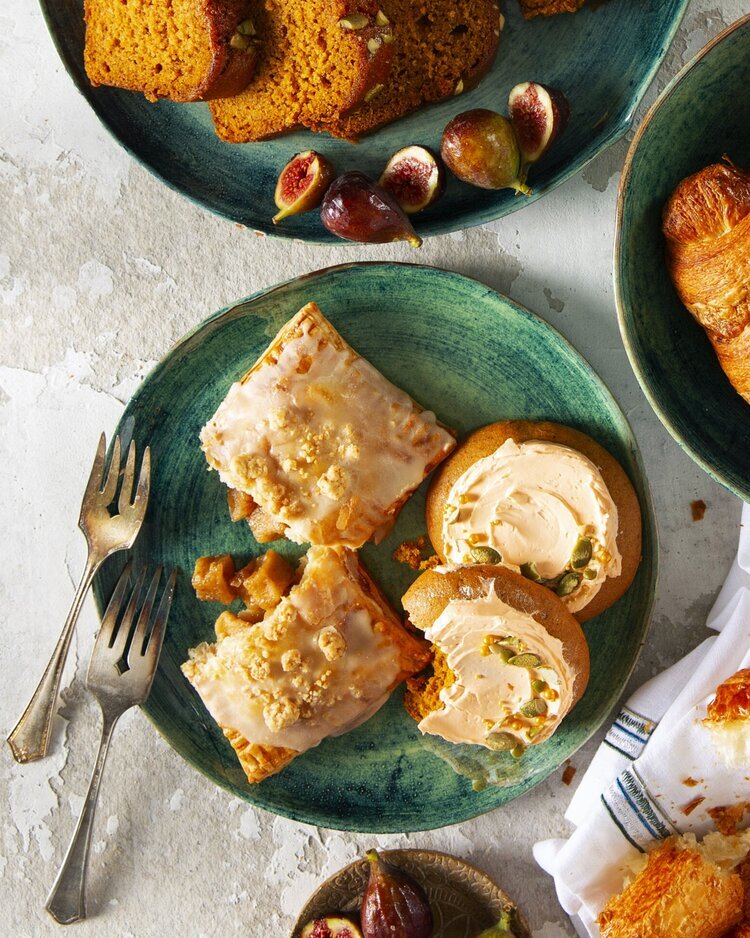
[{"x": 101, "y": 269}]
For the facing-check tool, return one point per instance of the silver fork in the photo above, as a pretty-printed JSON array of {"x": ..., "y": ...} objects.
[
  {"x": 105, "y": 534},
  {"x": 116, "y": 691}
]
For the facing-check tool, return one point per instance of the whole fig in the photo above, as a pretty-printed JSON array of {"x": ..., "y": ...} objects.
[
  {"x": 394, "y": 905},
  {"x": 502, "y": 929},
  {"x": 357, "y": 209}
]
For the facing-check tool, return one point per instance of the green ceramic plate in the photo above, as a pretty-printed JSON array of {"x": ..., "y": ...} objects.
[
  {"x": 604, "y": 57},
  {"x": 474, "y": 357},
  {"x": 697, "y": 119}
]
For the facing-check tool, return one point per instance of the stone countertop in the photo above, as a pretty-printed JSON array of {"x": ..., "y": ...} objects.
[{"x": 93, "y": 290}]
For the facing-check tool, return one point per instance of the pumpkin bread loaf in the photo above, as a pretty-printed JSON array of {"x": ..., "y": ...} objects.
[
  {"x": 316, "y": 61},
  {"x": 186, "y": 50},
  {"x": 441, "y": 49},
  {"x": 532, "y": 8}
]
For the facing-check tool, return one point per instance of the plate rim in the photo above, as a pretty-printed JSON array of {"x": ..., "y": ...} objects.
[
  {"x": 618, "y": 261},
  {"x": 647, "y": 511},
  {"x": 388, "y": 853},
  {"x": 433, "y": 227}
]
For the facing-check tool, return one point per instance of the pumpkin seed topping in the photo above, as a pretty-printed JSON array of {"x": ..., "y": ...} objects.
[
  {"x": 500, "y": 742},
  {"x": 534, "y": 708},
  {"x": 353, "y": 21},
  {"x": 485, "y": 555},
  {"x": 503, "y": 651},
  {"x": 530, "y": 571},
  {"x": 581, "y": 553},
  {"x": 567, "y": 584}
]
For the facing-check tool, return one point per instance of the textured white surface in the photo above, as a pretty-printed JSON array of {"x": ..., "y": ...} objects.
[{"x": 101, "y": 269}]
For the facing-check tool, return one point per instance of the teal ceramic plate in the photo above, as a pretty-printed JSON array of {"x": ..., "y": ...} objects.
[
  {"x": 603, "y": 57},
  {"x": 702, "y": 115},
  {"x": 472, "y": 356}
]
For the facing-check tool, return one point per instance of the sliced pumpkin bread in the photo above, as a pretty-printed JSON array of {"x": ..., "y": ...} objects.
[
  {"x": 442, "y": 48},
  {"x": 186, "y": 50},
  {"x": 316, "y": 61},
  {"x": 532, "y": 8}
]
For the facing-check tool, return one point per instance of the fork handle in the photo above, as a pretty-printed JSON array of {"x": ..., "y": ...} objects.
[
  {"x": 66, "y": 902},
  {"x": 29, "y": 740}
]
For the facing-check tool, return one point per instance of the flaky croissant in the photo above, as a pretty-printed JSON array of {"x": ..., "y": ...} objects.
[{"x": 707, "y": 226}]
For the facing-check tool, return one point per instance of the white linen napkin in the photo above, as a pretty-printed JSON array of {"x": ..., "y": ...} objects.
[{"x": 641, "y": 780}]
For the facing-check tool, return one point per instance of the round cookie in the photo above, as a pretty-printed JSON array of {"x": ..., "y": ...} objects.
[
  {"x": 428, "y": 596},
  {"x": 486, "y": 440}
]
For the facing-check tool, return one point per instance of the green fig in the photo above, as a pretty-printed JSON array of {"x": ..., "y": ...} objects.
[{"x": 503, "y": 929}]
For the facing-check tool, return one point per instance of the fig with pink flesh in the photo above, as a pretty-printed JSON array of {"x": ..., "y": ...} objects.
[
  {"x": 302, "y": 184},
  {"x": 539, "y": 115},
  {"x": 357, "y": 209},
  {"x": 394, "y": 904},
  {"x": 331, "y": 927},
  {"x": 480, "y": 147},
  {"x": 415, "y": 178}
]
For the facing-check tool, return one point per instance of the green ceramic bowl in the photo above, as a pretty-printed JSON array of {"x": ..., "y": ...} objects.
[
  {"x": 603, "y": 58},
  {"x": 474, "y": 357},
  {"x": 703, "y": 114}
]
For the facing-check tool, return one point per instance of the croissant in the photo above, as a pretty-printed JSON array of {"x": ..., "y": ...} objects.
[{"x": 707, "y": 226}]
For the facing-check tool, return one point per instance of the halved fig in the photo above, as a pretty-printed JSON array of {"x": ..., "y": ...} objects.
[
  {"x": 331, "y": 927},
  {"x": 415, "y": 177},
  {"x": 539, "y": 115},
  {"x": 302, "y": 184},
  {"x": 357, "y": 209}
]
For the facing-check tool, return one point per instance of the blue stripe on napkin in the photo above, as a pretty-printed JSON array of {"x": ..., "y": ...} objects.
[
  {"x": 635, "y": 812},
  {"x": 629, "y": 733}
]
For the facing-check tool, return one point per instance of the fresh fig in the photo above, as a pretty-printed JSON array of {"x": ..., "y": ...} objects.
[
  {"x": 331, "y": 927},
  {"x": 394, "y": 905},
  {"x": 480, "y": 147},
  {"x": 356, "y": 209},
  {"x": 415, "y": 178},
  {"x": 539, "y": 115},
  {"x": 503, "y": 929},
  {"x": 302, "y": 184}
]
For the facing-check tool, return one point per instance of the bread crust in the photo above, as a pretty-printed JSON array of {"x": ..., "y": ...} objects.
[
  {"x": 430, "y": 593},
  {"x": 706, "y": 223},
  {"x": 486, "y": 440}
]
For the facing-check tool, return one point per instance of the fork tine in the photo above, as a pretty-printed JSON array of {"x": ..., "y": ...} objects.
[
  {"x": 94, "y": 483},
  {"x": 153, "y": 649},
  {"x": 109, "y": 620},
  {"x": 139, "y": 636},
  {"x": 126, "y": 623},
  {"x": 126, "y": 489},
  {"x": 110, "y": 486},
  {"x": 144, "y": 482}
]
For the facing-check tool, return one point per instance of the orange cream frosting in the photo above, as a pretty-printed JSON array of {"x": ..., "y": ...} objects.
[{"x": 535, "y": 503}]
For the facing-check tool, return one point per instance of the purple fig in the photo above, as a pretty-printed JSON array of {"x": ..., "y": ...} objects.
[
  {"x": 357, "y": 209},
  {"x": 302, "y": 184},
  {"x": 415, "y": 177},
  {"x": 394, "y": 905},
  {"x": 331, "y": 927},
  {"x": 539, "y": 115}
]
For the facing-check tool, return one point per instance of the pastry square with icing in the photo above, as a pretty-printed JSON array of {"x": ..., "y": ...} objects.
[
  {"x": 326, "y": 447},
  {"x": 319, "y": 664}
]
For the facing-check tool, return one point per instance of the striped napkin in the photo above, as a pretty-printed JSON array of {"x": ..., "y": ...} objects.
[{"x": 656, "y": 773}]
